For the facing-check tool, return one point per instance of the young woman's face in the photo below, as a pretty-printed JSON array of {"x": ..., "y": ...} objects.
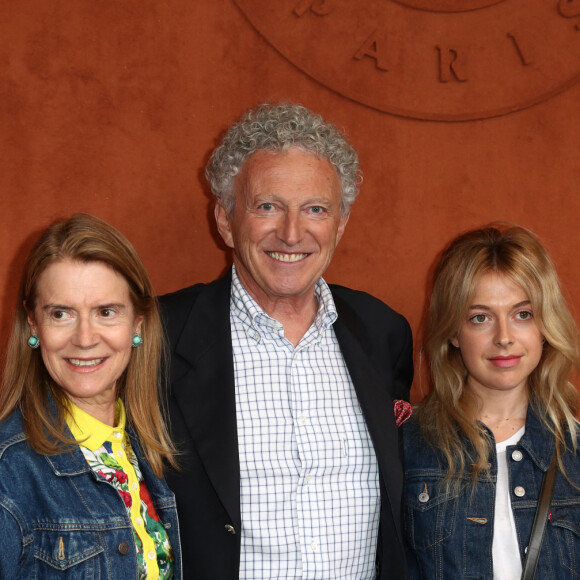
[{"x": 499, "y": 339}]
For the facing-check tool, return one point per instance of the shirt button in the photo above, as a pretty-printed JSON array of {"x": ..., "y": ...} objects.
[
  {"x": 520, "y": 491},
  {"x": 134, "y": 486},
  {"x": 313, "y": 546},
  {"x": 151, "y": 555},
  {"x": 117, "y": 435},
  {"x": 308, "y": 478},
  {"x": 123, "y": 548},
  {"x": 517, "y": 455},
  {"x": 139, "y": 521},
  {"x": 423, "y": 497},
  {"x": 302, "y": 420},
  {"x": 120, "y": 453},
  {"x": 230, "y": 529}
]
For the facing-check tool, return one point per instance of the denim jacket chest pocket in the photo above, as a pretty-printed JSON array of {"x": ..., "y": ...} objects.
[
  {"x": 564, "y": 521},
  {"x": 66, "y": 551},
  {"x": 430, "y": 509}
]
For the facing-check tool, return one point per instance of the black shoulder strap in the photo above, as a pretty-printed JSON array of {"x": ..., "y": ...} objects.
[{"x": 540, "y": 521}]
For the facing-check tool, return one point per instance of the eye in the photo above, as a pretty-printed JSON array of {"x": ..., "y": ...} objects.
[
  {"x": 524, "y": 315},
  {"x": 317, "y": 209},
  {"x": 58, "y": 314},
  {"x": 479, "y": 318},
  {"x": 266, "y": 206},
  {"x": 107, "y": 312}
]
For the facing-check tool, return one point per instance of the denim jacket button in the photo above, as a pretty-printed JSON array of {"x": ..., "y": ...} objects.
[
  {"x": 520, "y": 491},
  {"x": 423, "y": 497},
  {"x": 517, "y": 455},
  {"x": 123, "y": 548}
]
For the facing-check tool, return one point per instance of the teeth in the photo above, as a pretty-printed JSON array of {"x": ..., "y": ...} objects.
[
  {"x": 85, "y": 363},
  {"x": 287, "y": 257}
]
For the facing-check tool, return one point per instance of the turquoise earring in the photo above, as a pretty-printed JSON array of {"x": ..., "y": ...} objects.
[
  {"x": 136, "y": 341},
  {"x": 34, "y": 341}
]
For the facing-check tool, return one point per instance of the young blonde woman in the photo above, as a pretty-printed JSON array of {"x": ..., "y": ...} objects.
[{"x": 502, "y": 346}]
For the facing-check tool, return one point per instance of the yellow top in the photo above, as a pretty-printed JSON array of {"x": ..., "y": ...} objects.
[{"x": 92, "y": 435}]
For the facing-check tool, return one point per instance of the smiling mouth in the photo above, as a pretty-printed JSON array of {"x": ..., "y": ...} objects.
[
  {"x": 77, "y": 362},
  {"x": 287, "y": 257}
]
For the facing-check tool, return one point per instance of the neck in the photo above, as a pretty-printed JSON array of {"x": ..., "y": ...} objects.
[
  {"x": 296, "y": 318},
  {"x": 504, "y": 412}
]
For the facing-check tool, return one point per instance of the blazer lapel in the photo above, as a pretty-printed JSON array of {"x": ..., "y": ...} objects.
[
  {"x": 206, "y": 389},
  {"x": 373, "y": 392}
]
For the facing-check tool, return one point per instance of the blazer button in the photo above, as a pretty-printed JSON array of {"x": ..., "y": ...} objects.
[
  {"x": 520, "y": 491},
  {"x": 230, "y": 529},
  {"x": 123, "y": 548}
]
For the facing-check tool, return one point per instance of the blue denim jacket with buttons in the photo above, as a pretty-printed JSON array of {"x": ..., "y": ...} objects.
[
  {"x": 449, "y": 532},
  {"x": 59, "y": 520}
]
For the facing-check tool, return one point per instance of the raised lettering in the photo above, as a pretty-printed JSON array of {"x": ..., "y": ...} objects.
[
  {"x": 525, "y": 61},
  {"x": 319, "y": 7},
  {"x": 569, "y": 8},
  {"x": 448, "y": 62},
  {"x": 374, "y": 48}
]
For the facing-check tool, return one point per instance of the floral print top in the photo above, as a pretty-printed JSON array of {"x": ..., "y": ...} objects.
[{"x": 109, "y": 454}]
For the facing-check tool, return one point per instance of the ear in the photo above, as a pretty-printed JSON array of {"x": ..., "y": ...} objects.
[
  {"x": 30, "y": 318},
  {"x": 138, "y": 323},
  {"x": 454, "y": 341},
  {"x": 224, "y": 226},
  {"x": 341, "y": 226}
]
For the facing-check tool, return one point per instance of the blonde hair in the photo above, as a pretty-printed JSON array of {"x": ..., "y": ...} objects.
[
  {"x": 26, "y": 382},
  {"x": 516, "y": 253}
]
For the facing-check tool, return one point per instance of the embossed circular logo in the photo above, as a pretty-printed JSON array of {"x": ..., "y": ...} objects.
[{"x": 446, "y": 60}]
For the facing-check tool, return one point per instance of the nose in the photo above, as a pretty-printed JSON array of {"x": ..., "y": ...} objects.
[
  {"x": 503, "y": 333},
  {"x": 85, "y": 335},
  {"x": 291, "y": 228}
]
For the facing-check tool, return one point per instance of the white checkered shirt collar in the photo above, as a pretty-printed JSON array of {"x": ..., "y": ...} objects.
[{"x": 247, "y": 310}]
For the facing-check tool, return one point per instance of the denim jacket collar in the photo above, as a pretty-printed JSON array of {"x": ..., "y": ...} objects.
[
  {"x": 73, "y": 462},
  {"x": 535, "y": 442}
]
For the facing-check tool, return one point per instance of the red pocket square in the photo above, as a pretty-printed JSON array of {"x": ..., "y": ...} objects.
[{"x": 403, "y": 410}]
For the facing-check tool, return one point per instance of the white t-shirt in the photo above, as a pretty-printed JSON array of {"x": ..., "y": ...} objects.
[{"x": 505, "y": 551}]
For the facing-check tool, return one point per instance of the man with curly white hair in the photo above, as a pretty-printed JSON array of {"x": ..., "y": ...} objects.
[{"x": 281, "y": 385}]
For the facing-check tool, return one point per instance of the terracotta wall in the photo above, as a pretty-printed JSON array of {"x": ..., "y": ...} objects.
[{"x": 463, "y": 112}]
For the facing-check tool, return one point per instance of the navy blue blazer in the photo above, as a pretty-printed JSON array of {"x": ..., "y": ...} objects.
[{"x": 376, "y": 343}]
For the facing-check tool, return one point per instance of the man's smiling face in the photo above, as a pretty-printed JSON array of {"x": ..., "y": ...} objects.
[{"x": 285, "y": 225}]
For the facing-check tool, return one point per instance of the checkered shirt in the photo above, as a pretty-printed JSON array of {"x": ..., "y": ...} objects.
[{"x": 309, "y": 486}]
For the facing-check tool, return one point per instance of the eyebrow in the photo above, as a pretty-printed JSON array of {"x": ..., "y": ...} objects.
[
  {"x": 484, "y": 307},
  {"x": 119, "y": 305}
]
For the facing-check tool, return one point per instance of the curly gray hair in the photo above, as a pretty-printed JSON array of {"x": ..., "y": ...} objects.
[{"x": 277, "y": 128}]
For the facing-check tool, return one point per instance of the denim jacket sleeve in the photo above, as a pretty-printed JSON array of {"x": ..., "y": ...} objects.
[{"x": 15, "y": 536}]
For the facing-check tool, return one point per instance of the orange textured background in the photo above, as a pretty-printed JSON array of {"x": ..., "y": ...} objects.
[{"x": 113, "y": 107}]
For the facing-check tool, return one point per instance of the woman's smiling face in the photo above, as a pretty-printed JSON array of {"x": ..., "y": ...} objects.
[{"x": 85, "y": 321}]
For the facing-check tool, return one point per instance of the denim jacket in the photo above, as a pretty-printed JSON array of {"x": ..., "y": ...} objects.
[
  {"x": 449, "y": 533},
  {"x": 59, "y": 520}
]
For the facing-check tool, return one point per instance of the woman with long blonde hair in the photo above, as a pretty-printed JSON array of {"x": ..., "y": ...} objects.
[{"x": 502, "y": 346}]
